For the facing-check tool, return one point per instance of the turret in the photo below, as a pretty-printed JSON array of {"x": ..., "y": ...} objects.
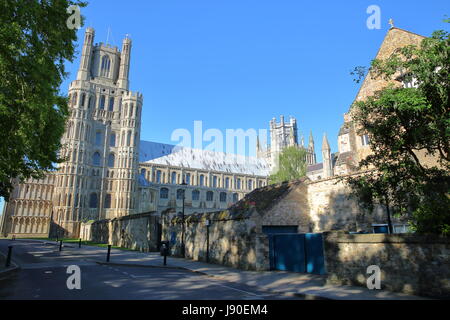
[
  {"x": 310, "y": 151},
  {"x": 327, "y": 161},
  {"x": 86, "y": 56},
  {"x": 311, "y": 142},
  {"x": 292, "y": 137},
  {"x": 124, "y": 69}
]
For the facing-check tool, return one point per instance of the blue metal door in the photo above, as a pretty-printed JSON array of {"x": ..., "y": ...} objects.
[
  {"x": 289, "y": 252},
  {"x": 297, "y": 253},
  {"x": 271, "y": 231},
  {"x": 315, "y": 262}
]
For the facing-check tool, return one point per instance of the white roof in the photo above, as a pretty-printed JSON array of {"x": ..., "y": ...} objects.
[{"x": 166, "y": 154}]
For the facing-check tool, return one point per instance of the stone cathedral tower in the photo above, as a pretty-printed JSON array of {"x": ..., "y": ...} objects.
[
  {"x": 101, "y": 143},
  {"x": 284, "y": 135}
]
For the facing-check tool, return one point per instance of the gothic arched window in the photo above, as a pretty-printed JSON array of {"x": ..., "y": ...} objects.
[
  {"x": 174, "y": 178},
  {"x": 188, "y": 178},
  {"x": 96, "y": 159},
  {"x": 98, "y": 138},
  {"x": 112, "y": 141},
  {"x": 102, "y": 102},
  {"x": 223, "y": 197},
  {"x": 129, "y": 138},
  {"x": 227, "y": 183},
  {"x": 107, "y": 201},
  {"x": 83, "y": 97},
  {"x": 158, "y": 176},
  {"x": 74, "y": 99},
  {"x": 111, "y": 104},
  {"x": 131, "y": 110},
  {"x": 235, "y": 197},
  {"x": 106, "y": 63},
  {"x": 164, "y": 193},
  {"x": 195, "y": 195},
  {"x": 214, "y": 181},
  {"x": 180, "y": 194},
  {"x": 209, "y": 196},
  {"x": 111, "y": 160},
  {"x": 93, "y": 201},
  {"x": 238, "y": 183},
  {"x": 202, "y": 180}
]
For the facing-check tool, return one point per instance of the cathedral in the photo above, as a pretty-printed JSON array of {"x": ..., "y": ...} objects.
[{"x": 110, "y": 172}]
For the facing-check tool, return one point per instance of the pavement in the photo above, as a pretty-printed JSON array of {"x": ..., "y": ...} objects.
[
  {"x": 287, "y": 284},
  {"x": 47, "y": 274}
]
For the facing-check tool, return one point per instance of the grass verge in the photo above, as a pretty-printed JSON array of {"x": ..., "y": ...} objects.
[{"x": 83, "y": 243}]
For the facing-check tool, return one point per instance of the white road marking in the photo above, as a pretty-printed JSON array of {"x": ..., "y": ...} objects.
[{"x": 246, "y": 292}]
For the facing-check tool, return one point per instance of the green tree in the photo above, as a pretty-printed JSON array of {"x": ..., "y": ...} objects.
[
  {"x": 403, "y": 122},
  {"x": 291, "y": 165},
  {"x": 35, "y": 42}
]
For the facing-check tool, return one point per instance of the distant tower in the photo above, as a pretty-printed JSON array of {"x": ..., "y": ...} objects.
[
  {"x": 259, "y": 151},
  {"x": 327, "y": 161},
  {"x": 101, "y": 143},
  {"x": 282, "y": 135},
  {"x": 310, "y": 151}
]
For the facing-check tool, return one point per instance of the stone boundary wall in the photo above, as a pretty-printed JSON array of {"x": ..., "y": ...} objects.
[
  {"x": 411, "y": 264},
  {"x": 137, "y": 232},
  {"x": 233, "y": 240}
]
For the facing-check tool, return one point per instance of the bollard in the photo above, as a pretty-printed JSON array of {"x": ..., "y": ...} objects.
[
  {"x": 8, "y": 258},
  {"x": 79, "y": 244},
  {"x": 109, "y": 253},
  {"x": 164, "y": 250},
  {"x": 60, "y": 245}
]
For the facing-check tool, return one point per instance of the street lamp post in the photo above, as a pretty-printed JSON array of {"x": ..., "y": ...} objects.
[{"x": 183, "y": 250}]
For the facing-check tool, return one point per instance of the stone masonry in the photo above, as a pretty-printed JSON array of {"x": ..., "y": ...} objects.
[{"x": 411, "y": 264}]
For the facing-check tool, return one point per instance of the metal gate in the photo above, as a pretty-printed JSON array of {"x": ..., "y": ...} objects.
[{"x": 297, "y": 252}]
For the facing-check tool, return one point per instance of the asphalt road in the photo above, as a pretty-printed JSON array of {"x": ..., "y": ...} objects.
[{"x": 43, "y": 275}]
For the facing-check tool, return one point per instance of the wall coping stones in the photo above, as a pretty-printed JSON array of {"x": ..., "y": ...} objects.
[
  {"x": 341, "y": 237},
  {"x": 225, "y": 215},
  {"x": 129, "y": 217}
]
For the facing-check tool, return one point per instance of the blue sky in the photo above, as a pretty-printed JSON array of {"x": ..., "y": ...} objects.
[{"x": 239, "y": 63}]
